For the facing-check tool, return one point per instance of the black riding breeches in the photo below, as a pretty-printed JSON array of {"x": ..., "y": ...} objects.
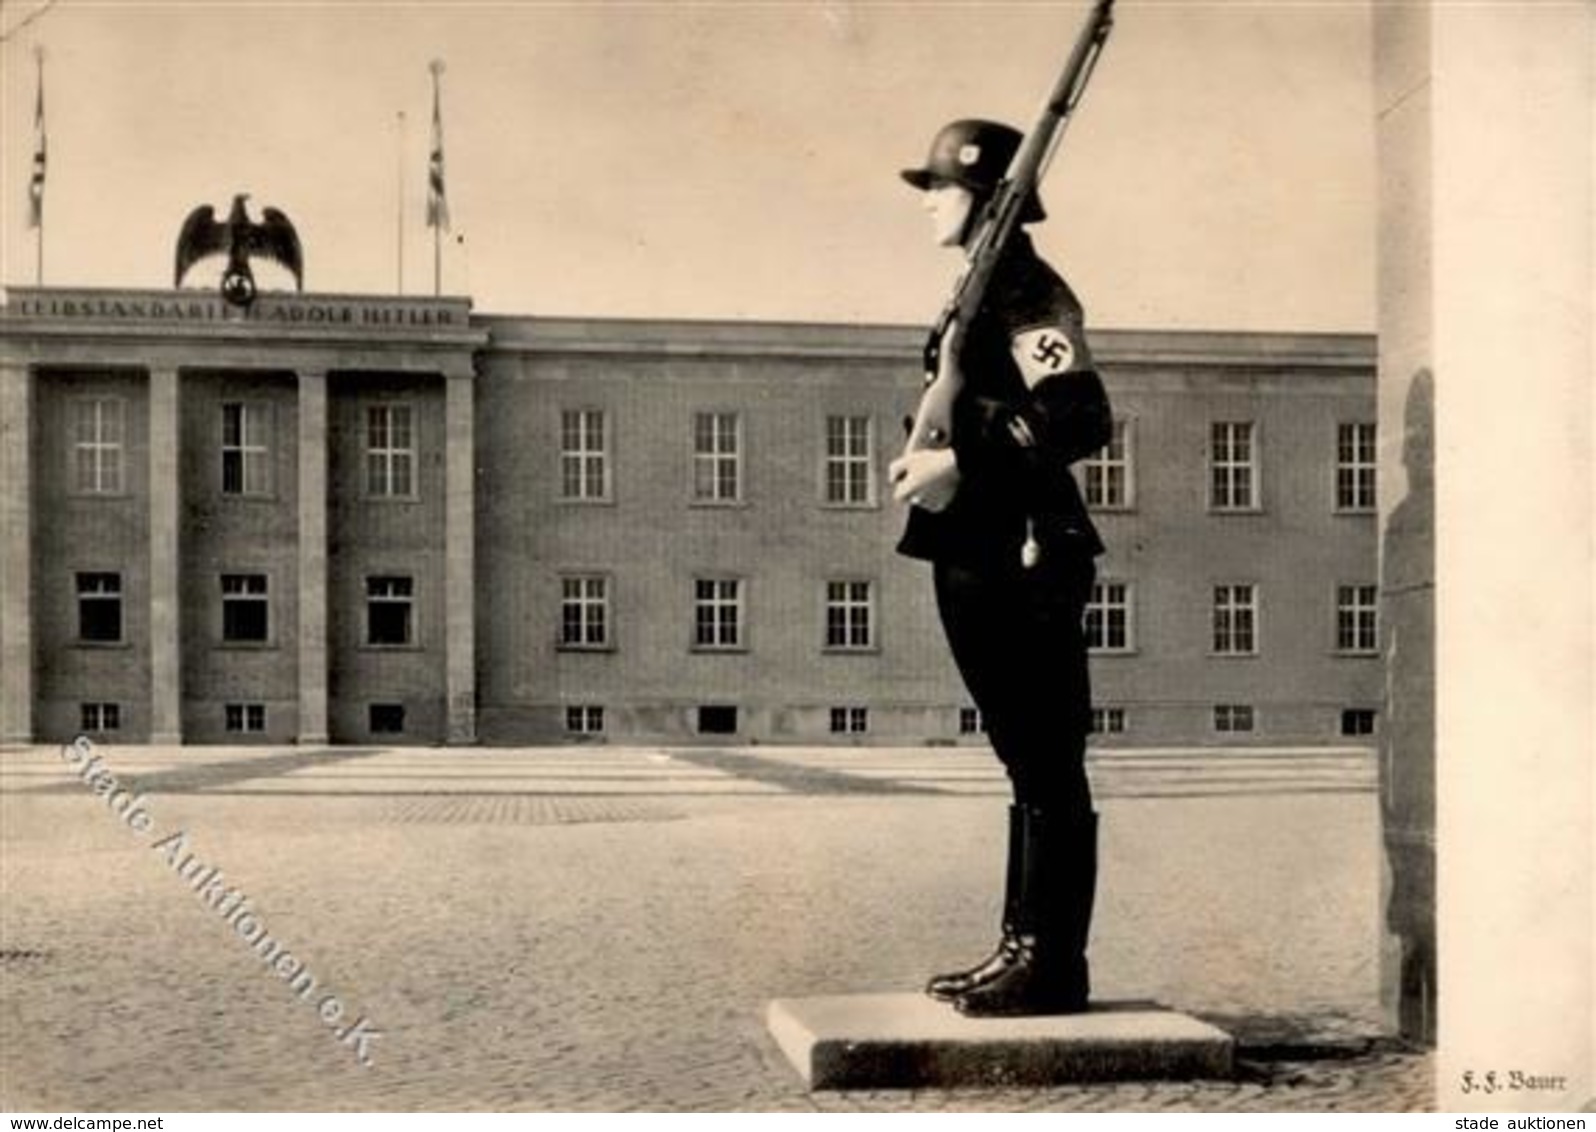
[{"x": 1018, "y": 640}]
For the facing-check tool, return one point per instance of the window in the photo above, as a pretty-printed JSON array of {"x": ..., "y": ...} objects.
[
  {"x": 1108, "y": 618},
  {"x": 1108, "y": 472},
  {"x": 850, "y": 720},
  {"x": 1232, "y": 467},
  {"x": 390, "y": 451},
  {"x": 848, "y": 615},
  {"x": 244, "y": 608},
  {"x": 584, "y": 611},
  {"x": 716, "y": 476},
  {"x": 100, "y": 607},
  {"x": 717, "y": 719},
  {"x": 584, "y": 719},
  {"x": 1355, "y": 464},
  {"x": 1357, "y": 721},
  {"x": 100, "y": 717},
  {"x": 717, "y": 613},
  {"x": 97, "y": 436},
  {"x": 1357, "y": 619},
  {"x": 850, "y": 461},
  {"x": 389, "y": 602},
  {"x": 970, "y": 722},
  {"x": 1108, "y": 721},
  {"x": 246, "y": 454},
  {"x": 1232, "y": 718},
  {"x": 584, "y": 454},
  {"x": 386, "y": 719},
  {"x": 244, "y": 719},
  {"x": 1235, "y": 620}
]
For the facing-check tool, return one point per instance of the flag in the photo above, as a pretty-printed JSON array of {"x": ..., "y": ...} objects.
[
  {"x": 36, "y": 185},
  {"x": 437, "y": 201}
]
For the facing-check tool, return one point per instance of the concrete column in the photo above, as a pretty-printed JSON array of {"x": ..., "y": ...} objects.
[
  {"x": 166, "y": 654},
  {"x": 1407, "y": 503},
  {"x": 312, "y": 558},
  {"x": 1486, "y": 147},
  {"x": 460, "y": 558},
  {"x": 16, "y": 554}
]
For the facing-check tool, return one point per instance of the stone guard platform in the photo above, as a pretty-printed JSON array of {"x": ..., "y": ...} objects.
[{"x": 909, "y": 1040}]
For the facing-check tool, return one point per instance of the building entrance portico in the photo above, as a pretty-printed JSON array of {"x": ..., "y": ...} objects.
[{"x": 168, "y": 460}]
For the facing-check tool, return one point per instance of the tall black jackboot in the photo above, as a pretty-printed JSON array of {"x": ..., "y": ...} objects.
[
  {"x": 1049, "y": 973},
  {"x": 950, "y": 986}
]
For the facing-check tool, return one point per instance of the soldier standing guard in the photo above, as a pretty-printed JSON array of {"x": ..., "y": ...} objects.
[{"x": 1000, "y": 517}]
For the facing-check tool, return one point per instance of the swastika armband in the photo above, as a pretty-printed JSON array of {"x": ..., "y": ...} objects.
[{"x": 1047, "y": 351}]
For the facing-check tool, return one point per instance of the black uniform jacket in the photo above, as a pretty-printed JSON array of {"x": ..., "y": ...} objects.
[{"x": 1032, "y": 404}]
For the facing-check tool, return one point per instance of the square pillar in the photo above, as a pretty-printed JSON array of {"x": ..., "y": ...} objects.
[
  {"x": 16, "y": 554},
  {"x": 166, "y": 654},
  {"x": 1406, "y": 430},
  {"x": 312, "y": 558},
  {"x": 460, "y": 558},
  {"x": 1487, "y": 129}
]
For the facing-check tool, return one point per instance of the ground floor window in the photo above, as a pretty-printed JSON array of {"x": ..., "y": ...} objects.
[
  {"x": 1233, "y": 718},
  {"x": 584, "y": 719},
  {"x": 1108, "y": 721},
  {"x": 717, "y": 719},
  {"x": 101, "y": 717},
  {"x": 387, "y": 719},
  {"x": 1357, "y": 721},
  {"x": 244, "y": 719},
  {"x": 850, "y": 720}
]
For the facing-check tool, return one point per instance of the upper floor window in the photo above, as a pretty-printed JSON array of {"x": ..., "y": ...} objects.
[
  {"x": 390, "y": 451},
  {"x": 848, "y": 620},
  {"x": 246, "y": 449},
  {"x": 584, "y": 454},
  {"x": 850, "y": 461},
  {"x": 1355, "y": 466},
  {"x": 1357, "y": 618},
  {"x": 99, "y": 607},
  {"x": 584, "y": 611},
  {"x": 1235, "y": 620},
  {"x": 1233, "y": 467},
  {"x": 98, "y": 435},
  {"x": 1108, "y": 617},
  {"x": 717, "y": 474},
  {"x": 1108, "y": 475},
  {"x": 718, "y": 613}
]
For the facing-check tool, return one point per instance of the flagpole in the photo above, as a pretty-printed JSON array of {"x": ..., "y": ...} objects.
[
  {"x": 435, "y": 175},
  {"x": 36, "y": 187},
  {"x": 399, "y": 211}
]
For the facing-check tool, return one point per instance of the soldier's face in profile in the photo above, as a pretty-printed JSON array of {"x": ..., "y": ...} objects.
[{"x": 949, "y": 206}]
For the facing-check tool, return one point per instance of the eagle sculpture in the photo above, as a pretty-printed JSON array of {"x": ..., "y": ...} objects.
[{"x": 240, "y": 238}]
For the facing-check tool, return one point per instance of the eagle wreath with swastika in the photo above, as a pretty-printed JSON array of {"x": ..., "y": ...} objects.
[{"x": 1044, "y": 352}]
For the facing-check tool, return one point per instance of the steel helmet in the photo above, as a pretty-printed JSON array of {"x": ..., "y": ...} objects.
[{"x": 973, "y": 153}]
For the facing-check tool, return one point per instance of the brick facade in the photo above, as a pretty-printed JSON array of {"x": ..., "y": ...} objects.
[{"x": 451, "y": 450}]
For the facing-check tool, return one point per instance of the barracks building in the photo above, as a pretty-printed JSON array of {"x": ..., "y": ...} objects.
[{"x": 369, "y": 519}]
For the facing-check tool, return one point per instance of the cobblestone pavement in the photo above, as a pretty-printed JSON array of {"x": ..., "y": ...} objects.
[{"x": 599, "y": 928}]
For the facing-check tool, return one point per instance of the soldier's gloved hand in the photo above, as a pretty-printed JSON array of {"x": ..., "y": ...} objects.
[{"x": 926, "y": 477}]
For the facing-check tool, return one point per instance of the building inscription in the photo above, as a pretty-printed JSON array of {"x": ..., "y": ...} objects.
[{"x": 270, "y": 310}]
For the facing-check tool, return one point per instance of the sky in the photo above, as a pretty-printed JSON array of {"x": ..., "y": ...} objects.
[{"x": 704, "y": 160}]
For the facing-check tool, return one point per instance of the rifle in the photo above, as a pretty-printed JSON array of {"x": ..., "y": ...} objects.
[{"x": 995, "y": 228}]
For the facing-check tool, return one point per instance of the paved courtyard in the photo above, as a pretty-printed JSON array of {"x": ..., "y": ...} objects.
[{"x": 601, "y": 928}]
